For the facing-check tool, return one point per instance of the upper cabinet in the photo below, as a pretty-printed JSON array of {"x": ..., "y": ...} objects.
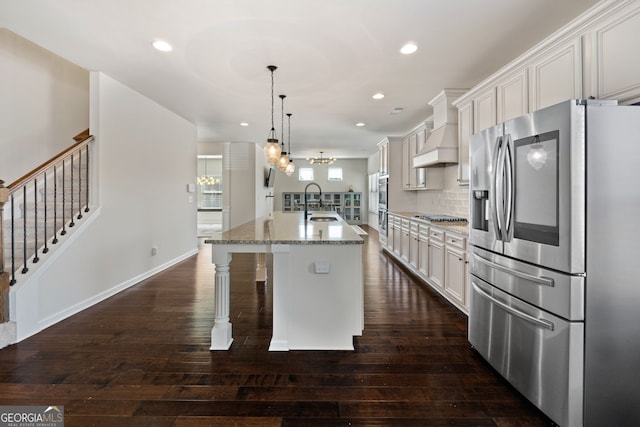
[
  {"x": 512, "y": 96},
  {"x": 420, "y": 178},
  {"x": 556, "y": 75},
  {"x": 383, "y": 151},
  {"x": 484, "y": 110},
  {"x": 612, "y": 59},
  {"x": 465, "y": 130}
]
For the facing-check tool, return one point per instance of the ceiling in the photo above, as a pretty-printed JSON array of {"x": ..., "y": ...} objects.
[{"x": 332, "y": 56}]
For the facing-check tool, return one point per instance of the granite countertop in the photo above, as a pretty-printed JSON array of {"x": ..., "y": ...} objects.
[
  {"x": 290, "y": 228},
  {"x": 456, "y": 226}
]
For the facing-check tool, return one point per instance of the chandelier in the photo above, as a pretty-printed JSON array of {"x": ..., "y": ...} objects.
[
  {"x": 207, "y": 179},
  {"x": 272, "y": 149},
  {"x": 321, "y": 160}
]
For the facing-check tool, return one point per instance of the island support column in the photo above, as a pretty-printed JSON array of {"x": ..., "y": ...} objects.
[
  {"x": 281, "y": 304},
  {"x": 221, "y": 337}
]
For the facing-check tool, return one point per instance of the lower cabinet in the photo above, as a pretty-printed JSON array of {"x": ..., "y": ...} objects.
[
  {"x": 434, "y": 254},
  {"x": 406, "y": 240},
  {"x": 455, "y": 269},
  {"x": 423, "y": 251},
  {"x": 414, "y": 250},
  {"x": 436, "y": 258}
]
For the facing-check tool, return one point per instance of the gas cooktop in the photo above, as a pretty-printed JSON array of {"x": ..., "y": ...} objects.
[{"x": 440, "y": 218}]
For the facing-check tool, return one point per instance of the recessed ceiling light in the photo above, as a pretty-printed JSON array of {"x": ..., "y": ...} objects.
[
  {"x": 408, "y": 48},
  {"x": 378, "y": 95},
  {"x": 244, "y": 124},
  {"x": 359, "y": 124},
  {"x": 162, "y": 46}
]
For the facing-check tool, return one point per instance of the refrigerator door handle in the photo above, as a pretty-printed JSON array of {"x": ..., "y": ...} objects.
[
  {"x": 546, "y": 281},
  {"x": 496, "y": 215},
  {"x": 508, "y": 194},
  {"x": 524, "y": 316}
]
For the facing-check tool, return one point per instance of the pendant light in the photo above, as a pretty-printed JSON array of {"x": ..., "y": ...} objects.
[
  {"x": 283, "y": 160},
  {"x": 272, "y": 149},
  {"x": 291, "y": 167}
]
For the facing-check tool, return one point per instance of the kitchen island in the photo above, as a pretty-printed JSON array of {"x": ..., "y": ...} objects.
[{"x": 318, "y": 301}]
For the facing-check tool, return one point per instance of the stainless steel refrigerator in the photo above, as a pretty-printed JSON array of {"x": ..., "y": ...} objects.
[{"x": 555, "y": 252}]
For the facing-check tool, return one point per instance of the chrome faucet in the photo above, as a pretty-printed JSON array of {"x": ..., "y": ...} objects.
[{"x": 306, "y": 210}]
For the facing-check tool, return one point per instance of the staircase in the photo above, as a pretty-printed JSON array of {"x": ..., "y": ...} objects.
[{"x": 42, "y": 206}]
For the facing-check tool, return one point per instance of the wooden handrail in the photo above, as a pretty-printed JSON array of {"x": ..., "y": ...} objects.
[{"x": 83, "y": 138}]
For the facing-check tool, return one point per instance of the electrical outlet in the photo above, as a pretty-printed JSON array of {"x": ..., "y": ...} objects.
[{"x": 154, "y": 251}]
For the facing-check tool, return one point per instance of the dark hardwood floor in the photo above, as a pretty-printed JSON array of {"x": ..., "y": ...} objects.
[{"x": 142, "y": 358}]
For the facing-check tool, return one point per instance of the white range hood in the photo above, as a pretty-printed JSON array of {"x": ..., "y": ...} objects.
[{"x": 441, "y": 147}]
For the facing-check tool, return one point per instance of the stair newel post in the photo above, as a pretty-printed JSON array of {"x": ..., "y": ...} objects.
[{"x": 4, "y": 276}]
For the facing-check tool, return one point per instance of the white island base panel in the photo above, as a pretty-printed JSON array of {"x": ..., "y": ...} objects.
[{"x": 318, "y": 298}]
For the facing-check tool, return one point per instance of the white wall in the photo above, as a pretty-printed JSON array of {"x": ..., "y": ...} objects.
[
  {"x": 145, "y": 157},
  {"x": 44, "y": 103}
]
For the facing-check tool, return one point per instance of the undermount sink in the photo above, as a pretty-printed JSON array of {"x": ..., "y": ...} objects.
[{"x": 323, "y": 218}]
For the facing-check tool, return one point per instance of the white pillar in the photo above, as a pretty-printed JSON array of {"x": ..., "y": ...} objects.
[
  {"x": 221, "y": 337},
  {"x": 281, "y": 303}
]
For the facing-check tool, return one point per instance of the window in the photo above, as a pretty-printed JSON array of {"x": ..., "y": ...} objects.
[
  {"x": 305, "y": 174},
  {"x": 209, "y": 182},
  {"x": 335, "y": 174}
]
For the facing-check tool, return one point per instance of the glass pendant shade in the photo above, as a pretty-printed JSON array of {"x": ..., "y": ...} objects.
[
  {"x": 283, "y": 161},
  {"x": 272, "y": 148},
  {"x": 272, "y": 151},
  {"x": 291, "y": 168}
]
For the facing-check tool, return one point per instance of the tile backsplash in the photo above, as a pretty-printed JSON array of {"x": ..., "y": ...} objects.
[{"x": 455, "y": 202}]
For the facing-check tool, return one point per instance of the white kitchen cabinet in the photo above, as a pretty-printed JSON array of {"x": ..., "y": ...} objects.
[
  {"x": 419, "y": 178},
  {"x": 421, "y": 138},
  {"x": 383, "y": 151},
  {"x": 455, "y": 277},
  {"x": 397, "y": 236},
  {"x": 414, "y": 244},
  {"x": 484, "y": 110},
  {"x": 406, "y": 240},
  {"x": 465, "y": 130},
  {"x": 406, "y": 166},
  {"x": 390, "y": 231},
  {"x": 512, "y": 96},
  {"x": 614, "y": 60},
  {"x": 436, "y": 257},
  {"x": 556, "y": 75},
  {"x": 423, "y": 251}
]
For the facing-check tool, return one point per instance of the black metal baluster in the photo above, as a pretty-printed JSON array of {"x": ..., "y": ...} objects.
[
  {"x": 64, "y": 199},
  {"x": 55, "y": 205},
  {"x": 13, "y": 243},
  {"x": 79, "y": 184},
  {"x": 46, "y": 218},
  {"x": 86, "y": 209},
  {"x": 71, "y": 224},
  {"x": 35, "y": 220},
  {"x": 24, "y": 229}
]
